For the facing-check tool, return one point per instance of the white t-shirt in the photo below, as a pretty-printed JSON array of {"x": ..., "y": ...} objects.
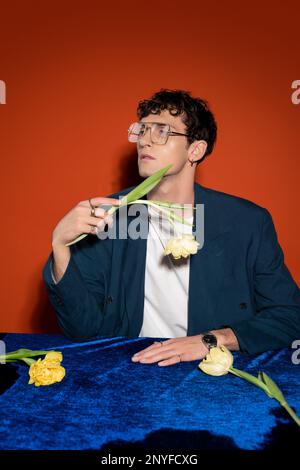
[{"x": 166, "y": 282}]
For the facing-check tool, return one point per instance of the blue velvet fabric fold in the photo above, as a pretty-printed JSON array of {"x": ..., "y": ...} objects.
[{"x": 106, "y": 400}]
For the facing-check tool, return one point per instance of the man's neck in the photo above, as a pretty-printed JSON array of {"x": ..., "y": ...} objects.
[{"x": 174, "y": 188}]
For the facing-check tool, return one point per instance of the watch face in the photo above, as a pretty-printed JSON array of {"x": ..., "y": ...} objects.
[{"x": 210, "y": 340}]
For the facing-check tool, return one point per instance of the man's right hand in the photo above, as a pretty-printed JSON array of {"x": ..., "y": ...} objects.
[
  {"x": 79, "y": 220},
  {"x": 76, "y": 222}
]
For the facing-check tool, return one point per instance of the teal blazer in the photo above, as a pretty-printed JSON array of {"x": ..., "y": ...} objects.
[{"x": 238, "y": 279}]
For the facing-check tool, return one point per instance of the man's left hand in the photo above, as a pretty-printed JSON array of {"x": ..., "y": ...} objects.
[
  {"x": 172, "y": 351},
  {"x": 187, "y": 348}
]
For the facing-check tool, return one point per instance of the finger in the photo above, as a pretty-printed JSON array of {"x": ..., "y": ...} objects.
[
  {"x": 155, "y": 346},
  {"x": 93, "y": 220},
  {"x": 88, "y": 228},
  {"x": 108, "y": 219},
  {"x": 174, "y": 340},
  {"x": 191, "y": 355},
  {"x": 93, "y": 230},
  {"x": 99, "y": 212},
  {"x": 156, "y": 356},
  {"x": 170, "y": 362},
  {"x": 100, "y": 226},
  {"x": 161, "y": 350},
  {"x": 97, "y": 201},
  {"x": 110, "y": 222}
]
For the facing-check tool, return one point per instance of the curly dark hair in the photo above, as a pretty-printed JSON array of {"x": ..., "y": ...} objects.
[{"x": 199, "y": 120}]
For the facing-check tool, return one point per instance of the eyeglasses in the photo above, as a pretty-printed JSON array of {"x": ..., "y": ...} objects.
[{"x": 159, "y": 132}]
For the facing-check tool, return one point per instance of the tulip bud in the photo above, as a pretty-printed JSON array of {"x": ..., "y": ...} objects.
[
  {"x": 217, "y": 362},
  {"x": 182, "y": 247}
]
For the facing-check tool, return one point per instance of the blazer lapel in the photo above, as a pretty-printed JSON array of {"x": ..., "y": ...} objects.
[
  {"x": 206, "y": 268},
  {"x": 134, "y": 280}
]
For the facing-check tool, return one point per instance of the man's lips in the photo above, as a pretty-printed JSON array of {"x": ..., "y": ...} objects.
[{"x": 145, "y": 156}]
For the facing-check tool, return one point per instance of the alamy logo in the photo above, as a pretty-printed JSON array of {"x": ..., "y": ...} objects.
[
  {"x": 296, "y": 354},
  {"x": 2, "y": 92},
  {"x": 2, "y": 352},
  {"x": 133, "y": 224},
  {"x": 295, "y": 96}
]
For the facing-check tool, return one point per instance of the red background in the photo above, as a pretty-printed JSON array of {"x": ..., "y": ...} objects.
[{"x": 74, "y": 73}]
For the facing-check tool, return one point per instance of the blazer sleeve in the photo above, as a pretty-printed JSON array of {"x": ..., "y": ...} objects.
[
  {"x": 276, "y": 322},
  {"x": 78, "y": 298}
]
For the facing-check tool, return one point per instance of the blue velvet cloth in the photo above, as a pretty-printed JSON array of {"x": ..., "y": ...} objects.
[{"x": 106, "y": 401}]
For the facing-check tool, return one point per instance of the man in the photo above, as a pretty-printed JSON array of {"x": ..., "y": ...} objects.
[{"x": 235, "y": 291}]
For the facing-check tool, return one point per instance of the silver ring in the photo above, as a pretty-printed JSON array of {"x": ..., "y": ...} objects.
[{"x": 92, "y": 209}]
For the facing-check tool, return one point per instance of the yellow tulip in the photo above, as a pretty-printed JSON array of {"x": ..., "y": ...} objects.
[
  {"x": 217, "y": 362},
  {"x": 54, "y": 356},
  {"x": 47, "y": 371},
  {"x": 182, "y": 247}
]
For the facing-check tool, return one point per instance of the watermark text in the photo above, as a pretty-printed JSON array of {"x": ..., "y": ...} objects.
[{"x": 2, "y": 92}]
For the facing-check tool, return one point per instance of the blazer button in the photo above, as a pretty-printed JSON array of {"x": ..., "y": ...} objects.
[
  {"x": 243, "y": 305},
  {"x": 109, "y": 299}
]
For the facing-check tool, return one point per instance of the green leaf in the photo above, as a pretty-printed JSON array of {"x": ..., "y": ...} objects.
[
  {"x": 269, "y": 387},
  {"x": 145, "y": 187},
  {"x": 20, "y": 353},
  {"x": 273, "y": 388},
  {"x": 137, "y": 193}
]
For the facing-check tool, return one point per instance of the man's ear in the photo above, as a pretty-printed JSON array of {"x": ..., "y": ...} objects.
[{"x": 197, "y": 150}]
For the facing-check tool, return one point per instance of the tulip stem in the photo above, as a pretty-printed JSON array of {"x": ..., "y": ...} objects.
[
  {"x": 171, "y": 212},
  {"x": 20, "y": 354},
  {"x": 28, "y": 361},
  {"x": 251, "y": 378},
  {"x": 157, "y": 204},
  {"x": 292, "y": 414},
  {"x": 174, "y": 226}
]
